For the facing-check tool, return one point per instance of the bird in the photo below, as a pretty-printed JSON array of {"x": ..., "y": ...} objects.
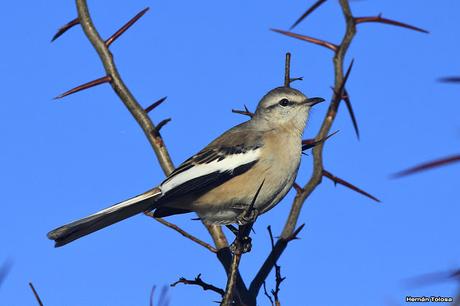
[{"x": 219, "y": 182}]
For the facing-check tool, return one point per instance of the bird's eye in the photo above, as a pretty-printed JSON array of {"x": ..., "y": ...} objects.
[{"x": 284, "y": 102}]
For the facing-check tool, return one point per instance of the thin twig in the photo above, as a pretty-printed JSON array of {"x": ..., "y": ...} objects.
[
  {"x": 246, "y": 112},
  {"x": 287, "y": 70},
  {"x": 37, "y": 297},
  {"x": 199, "y": 282},
  {"x": 182, "y": 232}
]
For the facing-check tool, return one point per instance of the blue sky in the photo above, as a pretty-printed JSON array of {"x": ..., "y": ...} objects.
[{"x": 63, "y": 159}]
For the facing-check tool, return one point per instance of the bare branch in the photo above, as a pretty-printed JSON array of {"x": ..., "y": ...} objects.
[
  {"x": 271, "y": 260},
  {"x": 267, "y": 295},
  {"x": 155, "y": 105},
  {"x": 103, "y": 80},
  {"x": 136, "y": 110},
  {"x": 65, "y": 28},
  {"x": 429, "y": 165},
  {"x": 380, "y": 19},
  {"x": 182, "y": 232},
  {"x": 37, "y": 297},
  {"x": 338, "y": 180},
  {"x": 310, "y": 39},
  {"x": 199, "y": 282},
  {"x": 308, "y": 12},
  {"x": 125, "y": 27}
]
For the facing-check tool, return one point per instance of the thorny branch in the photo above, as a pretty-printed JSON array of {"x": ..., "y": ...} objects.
[
  {"x": 242, "y": 295},
  {"x": 139, "y": 114},
  {"x": 339, "y": 92}
]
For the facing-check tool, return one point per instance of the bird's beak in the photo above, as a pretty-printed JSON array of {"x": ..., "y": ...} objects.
[{"x": 313, "y": 101}]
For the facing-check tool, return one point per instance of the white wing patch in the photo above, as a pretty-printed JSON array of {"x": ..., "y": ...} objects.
[
  {"x": 146, "y": 195},
  {"x": 229, "y": 163}
]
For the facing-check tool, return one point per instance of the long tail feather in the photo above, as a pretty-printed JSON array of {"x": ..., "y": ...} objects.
[{"x": 113, "y": 214}]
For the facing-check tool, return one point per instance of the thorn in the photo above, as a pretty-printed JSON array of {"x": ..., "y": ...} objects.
[
  {"x": 125, "y": 27},
  {"x": 311, "y": 143},
  {"x": 308, "y": 12},
  {"x": 342, "y": 182},
  {"x": 346, "y": 99},
  {"x": 340, "y": 92},
  {"x": 296, "y": 79},
  {"x": 380, "y": 19},
  {"x": 246, "y": 112},
  {"x": 253, "y": 202},
  {"x": 293, "y": 236},
  {"x": 161, "y": 124},
  {"x": 316, "y": 41},
  {"x": 155, "y": 104},
  {"x": 297, "y": 187},
  {"x": 65, "y": 28},
  {"x": 453, "y": 79},
  {"x": 105, "y": 79},
  {"x": 428, "y": 165}
]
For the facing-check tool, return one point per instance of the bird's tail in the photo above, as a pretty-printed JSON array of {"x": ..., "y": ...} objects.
[{"x": 118, "y": 212}]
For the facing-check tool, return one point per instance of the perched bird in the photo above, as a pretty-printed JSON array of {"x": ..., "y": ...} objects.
[{"x": 219, "y": 182}]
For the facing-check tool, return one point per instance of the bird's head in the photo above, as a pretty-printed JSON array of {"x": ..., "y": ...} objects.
[{"x": 285, "y": 106}]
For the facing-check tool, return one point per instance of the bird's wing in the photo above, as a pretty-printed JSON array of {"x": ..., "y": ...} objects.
[{"x": 230, "y": 155}]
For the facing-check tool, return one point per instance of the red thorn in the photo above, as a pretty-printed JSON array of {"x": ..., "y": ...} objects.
[
  {"x": 123, "y": 29},
  {"x": 65, "y": 28},
  {"x": 308, "y": 12},
  {"x": 155, "y": 105},
  {"x": 105, "y": 79},
  {"x": 380, "y": 19},
  {"x": 297, "y": 187},
  {"x": 429, "y": 165},
  {"x": 316, "y": 41},
  {"x": 342, "y": 182},
  {"x": 246, "y": 112}
]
